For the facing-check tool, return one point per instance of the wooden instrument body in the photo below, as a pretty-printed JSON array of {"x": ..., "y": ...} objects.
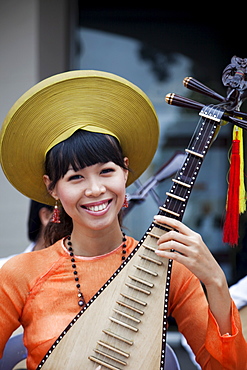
[{"x": 151, "y": 309}]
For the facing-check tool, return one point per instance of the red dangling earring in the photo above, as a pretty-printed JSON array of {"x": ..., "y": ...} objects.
[
  {"x": 125, "y": 203},
  {"x": 56, "y": 215}
]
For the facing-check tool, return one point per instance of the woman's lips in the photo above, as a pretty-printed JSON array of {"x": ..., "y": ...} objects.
[{"x": 97, "y": 206}]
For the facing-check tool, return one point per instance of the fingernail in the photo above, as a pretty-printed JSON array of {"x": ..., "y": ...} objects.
[
  {"x": 158, "y": 252},
  {"x": 157, "y": 217}
]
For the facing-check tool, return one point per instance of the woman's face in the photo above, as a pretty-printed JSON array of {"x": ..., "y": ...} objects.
[{"x": 92, "y": 196}]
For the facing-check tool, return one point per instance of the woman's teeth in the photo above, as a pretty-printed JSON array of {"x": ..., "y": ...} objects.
[{"x": 100, "y": 207}]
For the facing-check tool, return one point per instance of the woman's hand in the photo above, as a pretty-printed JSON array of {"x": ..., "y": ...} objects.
[
  {"x": 192, "y": 252},
  {"x": 189, "y": 250}
]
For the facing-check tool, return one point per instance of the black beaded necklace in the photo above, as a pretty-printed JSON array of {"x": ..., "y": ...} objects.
[{"x": 81, "y": 300}]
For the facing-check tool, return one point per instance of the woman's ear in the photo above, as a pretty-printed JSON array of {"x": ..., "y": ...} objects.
[
  {"x": 47, "y": 182},
  {"x": 126, "y": 162},
  {"x": 45, "y": 216}
]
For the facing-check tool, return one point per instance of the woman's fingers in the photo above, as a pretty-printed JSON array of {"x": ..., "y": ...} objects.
[
  {"x": 178, "y": 238},
  {"x": 186, "y": 247},
  {"x": 173, "y": 223}
]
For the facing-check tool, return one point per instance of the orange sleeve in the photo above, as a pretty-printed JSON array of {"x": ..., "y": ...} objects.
[
  {"x": 189, "y": 307},
  {"x": 12, "y": 300},
  {"x": 229, "y": 350}
]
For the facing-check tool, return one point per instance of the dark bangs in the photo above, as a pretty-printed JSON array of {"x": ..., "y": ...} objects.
[{"x": 82, "y": 149}]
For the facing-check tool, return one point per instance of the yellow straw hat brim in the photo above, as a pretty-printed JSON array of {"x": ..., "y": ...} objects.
[{"x": 55, "y": 108}]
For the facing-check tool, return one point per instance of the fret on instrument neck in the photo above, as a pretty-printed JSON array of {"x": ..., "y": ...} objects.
[{"x": 184, "y": 180}]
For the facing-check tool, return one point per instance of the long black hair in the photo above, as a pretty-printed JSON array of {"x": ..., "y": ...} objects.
[{"x": 82, "y": 149}]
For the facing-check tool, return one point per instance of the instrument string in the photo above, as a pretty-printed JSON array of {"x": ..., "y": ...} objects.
[{"x": 199, "y": 144}]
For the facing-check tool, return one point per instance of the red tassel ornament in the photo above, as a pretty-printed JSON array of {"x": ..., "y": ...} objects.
[
  {"x": 126, "y": 203},
  {"x": 56, "y": 215},
  {"x": 231, "y": 225}
]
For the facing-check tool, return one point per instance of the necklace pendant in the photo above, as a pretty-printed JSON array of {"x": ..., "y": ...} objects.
[{"x": 80, "y": 303}]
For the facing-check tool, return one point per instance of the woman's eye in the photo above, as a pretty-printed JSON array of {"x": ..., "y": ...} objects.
[
  {"x": 75, "y": 177},
  {"x": 107, "y": 170}
]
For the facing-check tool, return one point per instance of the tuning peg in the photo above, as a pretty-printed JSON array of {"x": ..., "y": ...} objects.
[
  {"x": 193, "y": 84},
  {"x": 181, "y": 101}
]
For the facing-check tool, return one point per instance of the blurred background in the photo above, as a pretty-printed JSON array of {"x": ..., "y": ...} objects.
[{"x": 155, "y": 47}]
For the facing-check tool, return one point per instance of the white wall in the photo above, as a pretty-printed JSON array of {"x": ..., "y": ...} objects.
[
  {"x": 18, "y": 72},
  {"x": 34, "y": 44}
]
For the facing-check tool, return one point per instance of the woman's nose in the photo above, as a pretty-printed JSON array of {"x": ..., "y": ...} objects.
[{"x": 94, "y": 189}]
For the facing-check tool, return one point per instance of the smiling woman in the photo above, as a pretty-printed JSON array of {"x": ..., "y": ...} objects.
[
  {"x": 92, "y": 196},
  {"x": 69, "y": 160},
  {"x": 73, "y": 138}
]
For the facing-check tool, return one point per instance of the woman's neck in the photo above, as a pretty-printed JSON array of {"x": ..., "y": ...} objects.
[{"x": 96, "y": 242}]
